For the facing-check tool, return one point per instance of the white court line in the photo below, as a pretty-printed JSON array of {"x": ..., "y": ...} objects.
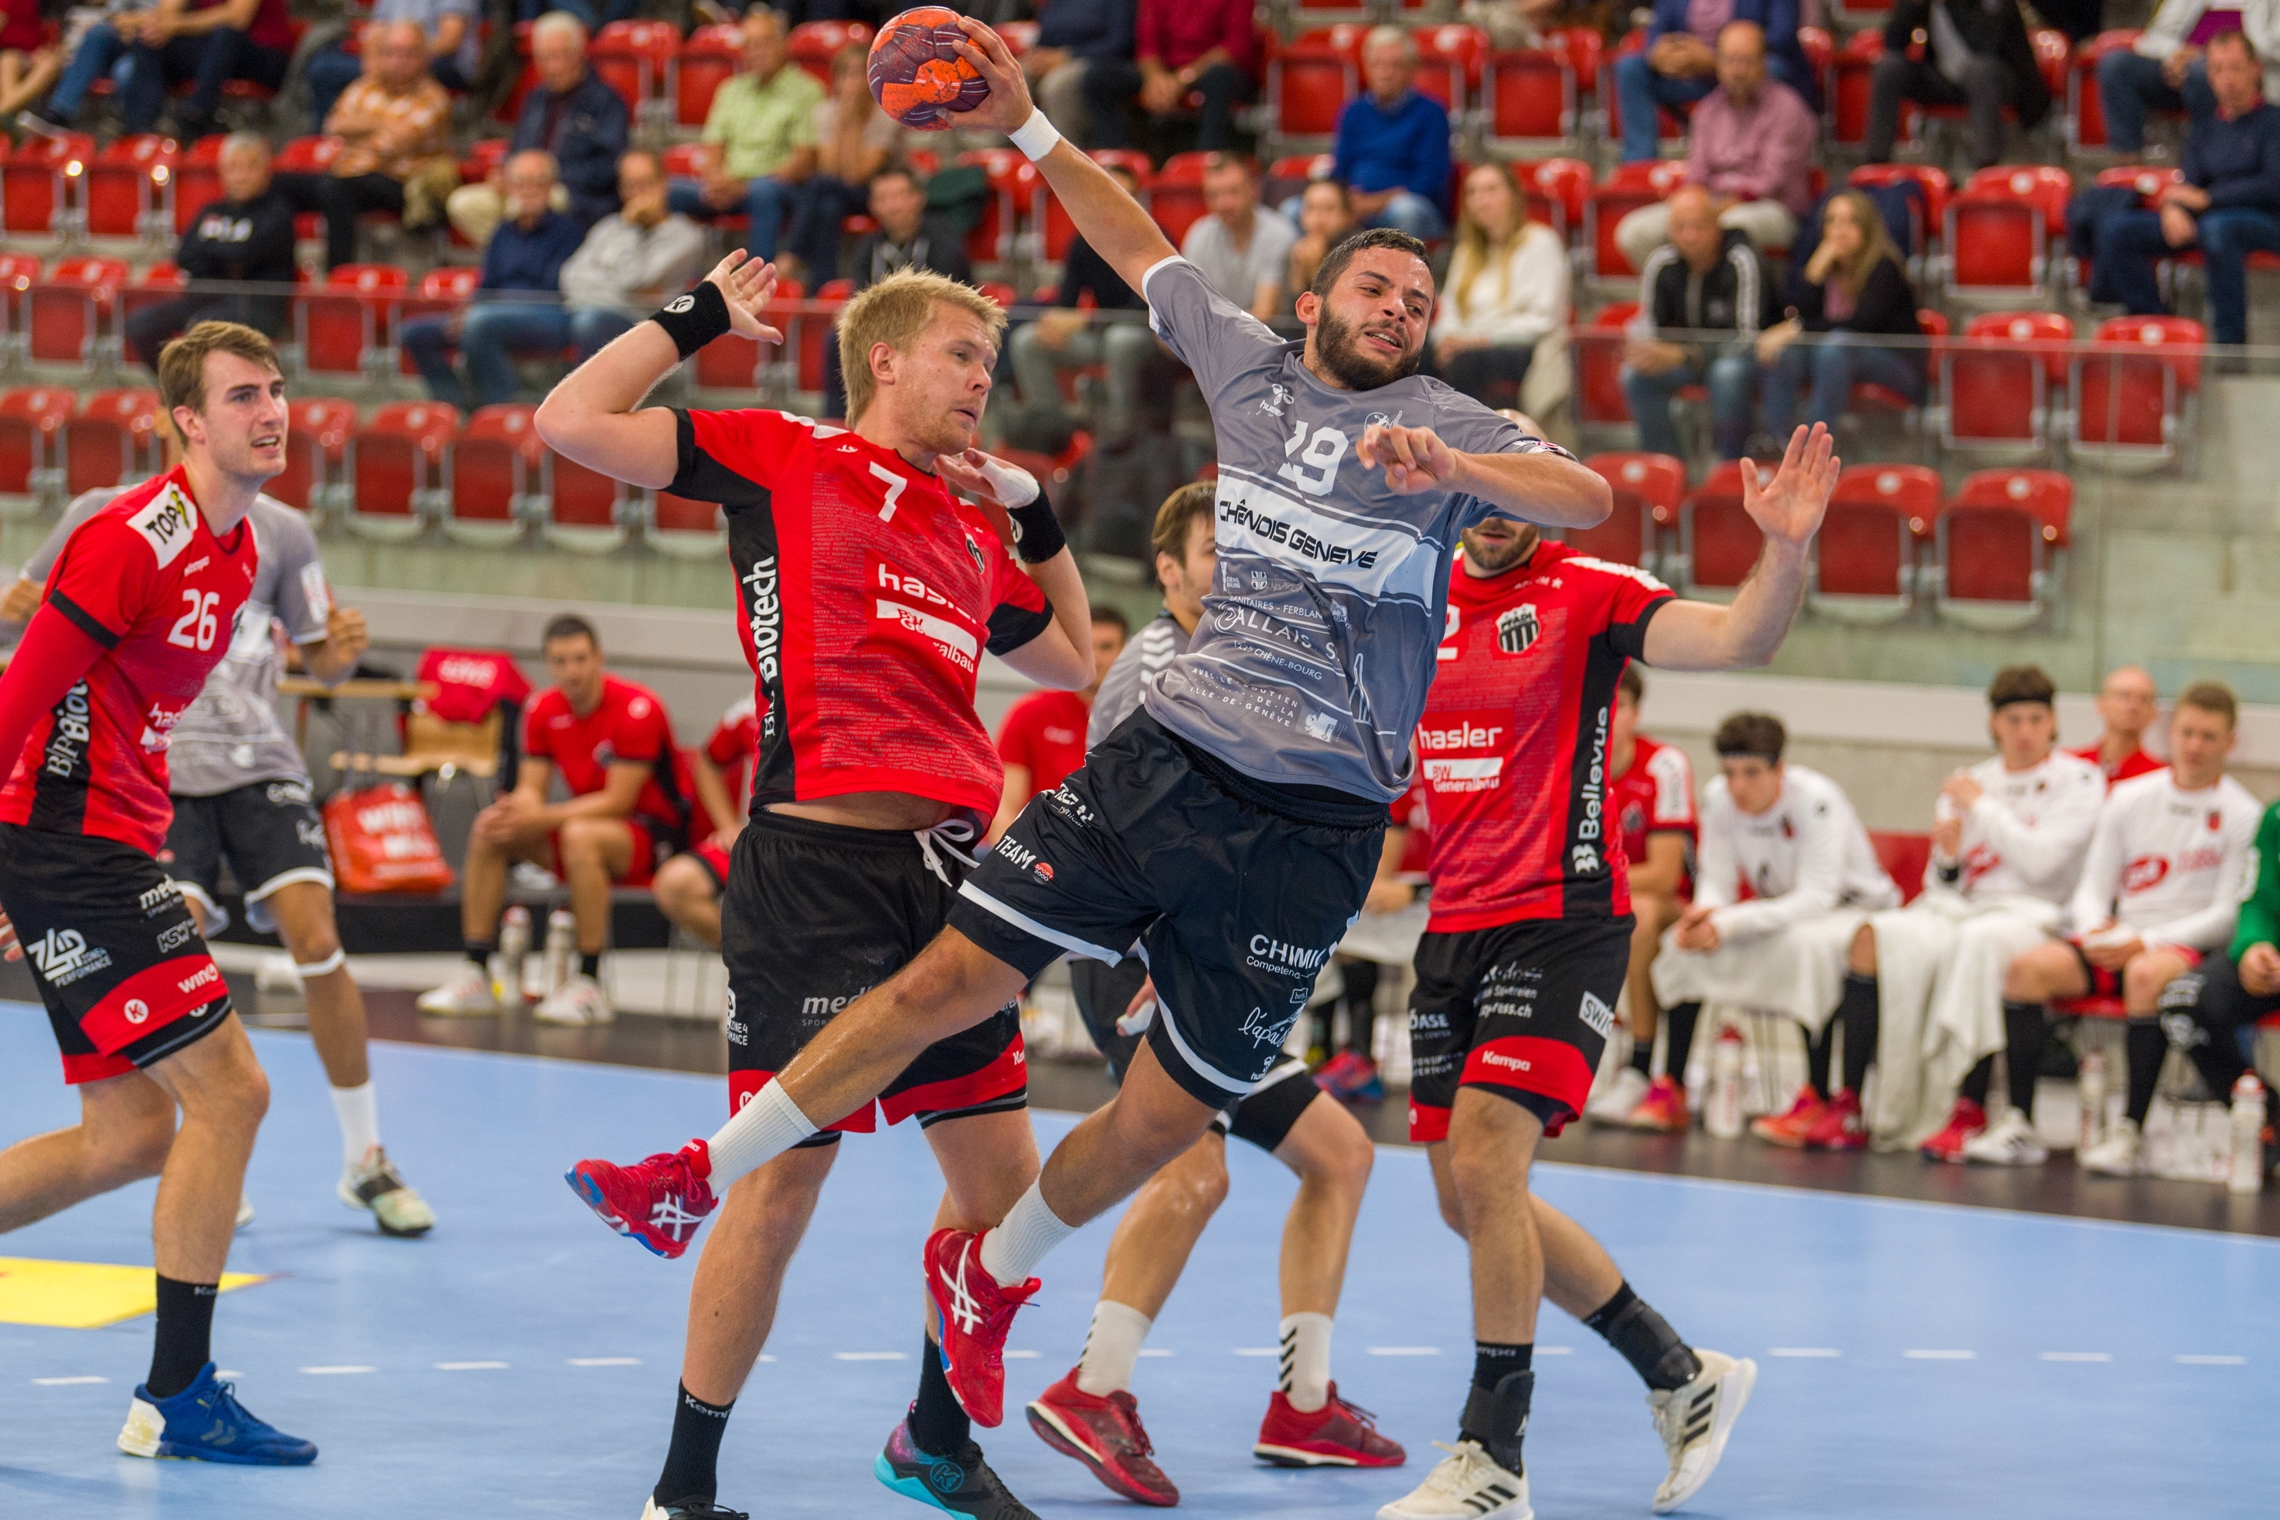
[
  {"x": 870, "y": 1356},
  {"x": 336, "y": 1371},
  {"x": 69, "y": 1382},
  {"x": 1258, "y": 1351},
  {"x": 1811, "y": 1351},
  {"x": 2213, "y": 1361},
  {"x": 1027, "y": 1356},
  {"x": 227, "y": 1372},
  {"x": 1555, "y": 1351},
  {"x": 1405, "y": 1351},
  {"x": 2077, "y": 1356},
  {"x": 1941, "y": 1356},
  {"x": 470, "y": 1366},
  {"x": 605, "y": 1361},
  {"x": 1152, "y": 1351},
  {"x": 765, "y": 1356}
]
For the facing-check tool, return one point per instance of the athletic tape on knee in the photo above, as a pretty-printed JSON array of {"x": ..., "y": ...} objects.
[{"x": 325, "y": 967}]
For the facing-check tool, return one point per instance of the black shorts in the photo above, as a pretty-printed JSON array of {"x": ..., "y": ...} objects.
[
  {"x": 268, "y": 831},
  {"x": 1521, "y": 1009},
  {"x": 1264, "y": 1118},
  {"x": 1235, "y": 893},
  {"x": 815, "y": 916},
  {"x": 117, "y": 956}
]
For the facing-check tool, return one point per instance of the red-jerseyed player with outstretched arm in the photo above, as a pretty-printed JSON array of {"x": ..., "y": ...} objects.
[
  {"x": 869, "y": 591},
  {"x": 137, "y": 612}
]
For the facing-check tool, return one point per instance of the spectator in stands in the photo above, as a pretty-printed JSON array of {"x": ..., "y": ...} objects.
[
  {"x": 2206, "y": 1012},
  {"x": 1751, "y": 147},
  {"x": 29, "y": 64},
  {"x": 1067, "y": 338},
  {"x": 1503, "y": 314},
  {"x": 1792, "y": 834},
  {"x": 760, "y": 139},
  {"x": 1977, "y": 54},
  {"x": 1043, "y": 736},
  {"x": 1242, "y": 248},
  {"x": 628, "y": 812},
  {"x": 2127, "y": 705},
  {"x": 1180, "y": 48},
  {"x": 393, "y": 123},
  {"x": 1071, "y": 36},
  {"x": 1325, "y": 214},
  {"x": 2169, "y": 863},
  {"x": 2163, "y": 70},
  {"x": 1393, "y": 142},
  {"x": 517, "y": 307},
  {"x": 1706, "y": 279},
  {"x": 246, "y": 236},
  {"x": 1850, "y": 292},
  {"x": 572, "y": 116},
  {"x": 689, "y": 886},
  {"x": 447, "y": 25},
  {"x": 1530, "y": 23},
  {"x": 1680, "y": 64},
  {"x": 633, "y": 261},
  {"x": 2227, "y": 206},
  {"x": 854, "y": 140},
  {"x": 208, "y": 42},
  {"x": 907, "y": 238}
]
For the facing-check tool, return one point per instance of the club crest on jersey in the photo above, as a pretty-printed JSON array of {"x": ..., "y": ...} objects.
[
  {"x": 1517, "y": 628},
  {"x": 975, "y": 550}
]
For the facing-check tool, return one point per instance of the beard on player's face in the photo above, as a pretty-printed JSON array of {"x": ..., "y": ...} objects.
[
  {"x": 1354, "y": 355},
  {"x": 1500, "y": 543}
]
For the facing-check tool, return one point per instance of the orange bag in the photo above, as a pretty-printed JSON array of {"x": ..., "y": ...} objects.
[{"x": 382, "y": 841}]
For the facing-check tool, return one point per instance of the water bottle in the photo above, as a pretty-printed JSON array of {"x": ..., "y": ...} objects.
[
  {"x": 1722, "y": 1116},
  {"x": 514, "y": 949},
  {"x": 2247, "y": 1135},
  {"x": 561, "y": 949},
  {"x": 2092, "y": 1086}
]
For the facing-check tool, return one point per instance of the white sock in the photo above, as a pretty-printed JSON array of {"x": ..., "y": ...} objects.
[
  {"x": 1306, "y": 1361},
  {"x": 762, "y": 1130},
  {"x": 1011, "y": 1252},
  {"x": 359, "y": 1115},
  {"x": 1112, "y": 1347}
]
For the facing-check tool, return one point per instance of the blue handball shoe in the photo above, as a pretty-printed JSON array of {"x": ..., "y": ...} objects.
[{"x": 206, "y": 1423}]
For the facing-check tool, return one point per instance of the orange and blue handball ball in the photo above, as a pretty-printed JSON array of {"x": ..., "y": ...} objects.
[{"x": 916, "y": 74}]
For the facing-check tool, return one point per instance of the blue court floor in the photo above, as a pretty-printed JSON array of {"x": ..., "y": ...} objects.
[{"x": 1916, "y": 1360}]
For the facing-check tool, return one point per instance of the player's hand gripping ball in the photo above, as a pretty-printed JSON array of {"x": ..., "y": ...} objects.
[{"x": 916, "y": 74}]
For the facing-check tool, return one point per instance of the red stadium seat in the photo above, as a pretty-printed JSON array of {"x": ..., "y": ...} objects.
[
  {"x": 1849, "y": 75},
  {"x": 35, "y": 181},
  {"x": 636, "y": 59},
  {"x": 1175, "y": 196},
  {"x": 1870, "y": 397},
  {"x": 707, "y": 59},
  {"x": 815, "y": 43},
  {"x": 129, "y": 186},
  {"x": 441, "y": 291},
  {"x": 1997, "y": 383},
  {"x": 160, "y": 282},
  {"x": 2130, "y": 394},
  {"x": 1648, "y": 489},
  {"x": 1559, "y": 193},
  {"x": 1052, "y": 220},
  {"x": 490, "y": 472},
  {"x": 1932, "y": 183},
  {"x": 316, "y": 452},
  {"x": 683, "y": 528},
  {"x": 110, "y": 442},
  {"x": 1668, "y": 124},
  {"x": 585, "y": 509},
  {"x": 307, "y": 155},
  {"x": 1624, "y": 191},
  {"x": 1864, "y": 560},
  {"x": 197, "y": 180},
  {"x": 19, "y": 272},
  {"x": 1599, "y": 366},
  {"x": 69, "y": 313},
  {"x": 1530, "y": 95},
  {"x": 2000, "y": 229},
  {"x": 1310, "y": 79},
  {"x": 2085, "y": 112},
  {"x": 1905, "y": 858},
  {"x": 395, "y": 468},
  {"x": 1718, "y": 543},
  {"x": 509, "y": 109},
  {"x": 1449, "y": 62},
  {"x": 31, "y": 446},
  {"x": 1995, "y": 539},
  {"x": 991, "y": 241},
  {"x": 483, "y": 155},
  {"x": 347, "y": 325}
]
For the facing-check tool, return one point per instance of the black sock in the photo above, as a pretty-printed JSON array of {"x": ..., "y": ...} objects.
[
  {"x": 480, "y": 952},
  {"x": 2023, "y": 1028},
  {"x": 692, "y": 1462},
  {"x": 1645, "y": 1339},
  {"x": 590, "y": 966},
  {"x": 1493, "y": 1360},
  {"x": 1678, "y": 1043},
  {"x": 1856, "y": 1010},
  {"x": 185, "y": 1339},
  {"x": 1643, "y": 1057},
  {"x": 1817, "y": 1050},
  {"x": 1360, "y": 998},
  {"x": 2147, "y": 1046},
  {"x": 938, "y": 1426},
  {"x": 1977, "y": 1080}
]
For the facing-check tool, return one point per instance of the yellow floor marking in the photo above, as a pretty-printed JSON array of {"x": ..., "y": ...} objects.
[{"x": 82, "y": 1295}]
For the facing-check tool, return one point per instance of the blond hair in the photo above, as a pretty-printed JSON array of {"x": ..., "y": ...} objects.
[
  {"x": 894, "y": 312},
  {"x": 182, "y": 363},
  {"x": 1478, "y": 248}
]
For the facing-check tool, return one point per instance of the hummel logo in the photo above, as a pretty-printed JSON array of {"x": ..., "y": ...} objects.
[{"x": 674, "y": 1221}]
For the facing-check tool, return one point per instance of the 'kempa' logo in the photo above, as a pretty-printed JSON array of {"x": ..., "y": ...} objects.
[{"x": 1517, "y": 629}]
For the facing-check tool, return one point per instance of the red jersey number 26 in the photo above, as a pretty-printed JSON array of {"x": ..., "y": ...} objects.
[{"x": 197, "y": 628}]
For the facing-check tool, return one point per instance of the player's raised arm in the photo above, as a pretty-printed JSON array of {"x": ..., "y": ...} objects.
[
  {"x": 591, "y": 416},
  {"x": 1113, "y": 224},
  {"x": 1747, "y": 631}
]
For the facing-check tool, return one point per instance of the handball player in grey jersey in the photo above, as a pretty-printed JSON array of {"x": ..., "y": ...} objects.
[
  {"x": 241, "y": 792},
  {"x": 1232, "y": 826}
]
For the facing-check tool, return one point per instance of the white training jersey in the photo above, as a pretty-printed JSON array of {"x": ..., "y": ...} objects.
[
  {"x": 2028, "y": 832},
  {"x": 2171, "y": 865},
  {"x": 1804, "y": 856}
]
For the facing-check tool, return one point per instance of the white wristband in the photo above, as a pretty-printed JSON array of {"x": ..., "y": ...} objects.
[
  {"x": 1035, "y": 137},
  {"x": 1014, "y": 486}
]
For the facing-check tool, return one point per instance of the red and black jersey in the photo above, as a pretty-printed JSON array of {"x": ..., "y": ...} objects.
[
  {"x": 1045, "y": 731},
  {"x": 730, "y": 749},
  {"x": 869, "y": 592},
  {"x": 147, "y": 579},
  {"x": 628, "y": 724},
  {"x": 1655, "y": 796},
  {"x": 1513, "y": 744}
]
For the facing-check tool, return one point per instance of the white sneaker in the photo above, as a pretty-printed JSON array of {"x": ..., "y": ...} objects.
[
  {"x": 244, "y": 1213},
  {"x": 1622, "y": 1095},
  {"x": 1694, "y": 1421},
  {"x": 374, "y": 1185},
  {"x": 467, "y": 995},
  {"x": 580, "y": 1000},
  {"x": 278, "y": 974},
  {"x": 2116, "y": 1155},
  {"x": 1464, "y": 1485},
  {"x": 2009, "y": 1141}
]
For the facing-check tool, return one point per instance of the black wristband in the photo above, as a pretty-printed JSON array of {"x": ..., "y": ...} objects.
[
  {"x": 695, "y": 319},
  {"x": 1037, "y": 535}
]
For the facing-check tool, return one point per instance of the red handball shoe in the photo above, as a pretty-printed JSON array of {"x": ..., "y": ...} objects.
[
  {"x": 1105, "y": 1435},
  {"x": 659, "y": 1202},
  {"x": 976, "y": 1316},
  {"x": 1964, "y": 1120},
  {"x": 1662, "y": 1110},
  {"x": 1338, "y": 1434},
  {"x": 1791, "y": 1128},
  {"x": 1840, "y": 1127}
]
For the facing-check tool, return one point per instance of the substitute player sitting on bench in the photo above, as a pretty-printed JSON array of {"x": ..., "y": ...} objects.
[
  {"x": 628, "y": 810},
  {"x": 689, "y": 886}
]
